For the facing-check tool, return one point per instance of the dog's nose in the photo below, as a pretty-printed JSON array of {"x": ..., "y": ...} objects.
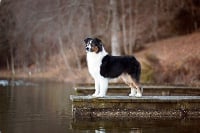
[{"x": 87, "y": 48}]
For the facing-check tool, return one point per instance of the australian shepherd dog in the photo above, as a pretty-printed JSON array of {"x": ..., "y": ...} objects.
[{"x": 103, "y": 67}]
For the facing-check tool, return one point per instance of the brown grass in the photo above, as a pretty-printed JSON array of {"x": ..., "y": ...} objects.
[{"x": 174, "y": 61}]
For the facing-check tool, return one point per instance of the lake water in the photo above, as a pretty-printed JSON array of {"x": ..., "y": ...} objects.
[{"x": 44, "y": 107}]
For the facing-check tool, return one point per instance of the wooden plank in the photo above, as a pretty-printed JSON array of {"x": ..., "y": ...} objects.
[
  {"x": 124, "y": 107},
  {"x": 147, "y": 90},
  {"x": 141, "y": 99}
]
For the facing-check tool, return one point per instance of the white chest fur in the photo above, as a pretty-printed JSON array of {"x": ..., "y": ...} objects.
[{"x": 94, "y": 62}]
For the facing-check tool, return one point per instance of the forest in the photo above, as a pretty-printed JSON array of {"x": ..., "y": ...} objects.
[{"x": 44, "y": 38}]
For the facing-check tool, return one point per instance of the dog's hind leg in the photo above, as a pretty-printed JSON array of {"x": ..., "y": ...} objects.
[
  {"x": 133, "y": 92},
  {"x": 135, "y": 77},
  {"x": 139, "y": 93},
  {"x": 128, "y": 80}
]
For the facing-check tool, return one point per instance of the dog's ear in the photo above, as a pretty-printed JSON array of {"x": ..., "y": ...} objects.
[
  {"x": 98, "y": 44},
  {"x": 87, "y": 40},
  {"x": 98, "y": 40}
]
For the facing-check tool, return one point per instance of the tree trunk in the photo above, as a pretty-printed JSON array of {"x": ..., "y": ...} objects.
[
  {"x": 133, "y": 26},
  {"x": 115, "y": 29},
  {"x": 155, "y": 20},
  {"x": 124, "y": 30}
]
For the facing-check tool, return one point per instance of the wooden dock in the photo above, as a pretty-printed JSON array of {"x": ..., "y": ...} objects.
[
  {"x": 152, "y": 90},
  {"x": 158, "y": 103}
]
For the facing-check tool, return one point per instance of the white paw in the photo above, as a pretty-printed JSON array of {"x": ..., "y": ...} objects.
[
  {"x": 138, "y": 95},
  {"x": 100, "y": 95},
  {"x": 94, "y": 95},
  {"x": 132, "y": 94}
]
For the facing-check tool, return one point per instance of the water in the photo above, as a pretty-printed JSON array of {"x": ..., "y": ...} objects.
[{"x": 44, "y": 107}]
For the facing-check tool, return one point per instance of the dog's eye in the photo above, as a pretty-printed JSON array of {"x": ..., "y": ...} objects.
[
  {"x": 87, "y": 45},
  {"x": 90, "y": 42}
]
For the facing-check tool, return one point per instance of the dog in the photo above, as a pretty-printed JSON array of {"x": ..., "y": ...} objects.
[{"x": 103, "y": 67}]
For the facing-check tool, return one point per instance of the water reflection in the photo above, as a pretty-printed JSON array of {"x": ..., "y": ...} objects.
[
  {"x": 7, "y": 82},
  {"x": 136, "y": 126},
  {"x": 46, "y": 108},
  {"x": 41, "y": 108},
  {"x": 117, "y": 131}
]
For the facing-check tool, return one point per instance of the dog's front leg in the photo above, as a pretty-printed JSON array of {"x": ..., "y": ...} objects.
[
  {"x": 97, "y": 87},
  {"x": 103, "y": 86}
]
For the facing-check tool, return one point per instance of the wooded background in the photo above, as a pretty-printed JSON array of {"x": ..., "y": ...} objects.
[{"x": 32, "y": 31}]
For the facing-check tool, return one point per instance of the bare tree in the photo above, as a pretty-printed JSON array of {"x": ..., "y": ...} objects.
[
  {"x": 155, "y": 20},
  {"x": 38, "y": 29},
  {"x": 115, "y": 29},
  {"x": 129, "y": 25},
  {"x": 133, "y": 26},
  {"x": 124, "y": 25}
]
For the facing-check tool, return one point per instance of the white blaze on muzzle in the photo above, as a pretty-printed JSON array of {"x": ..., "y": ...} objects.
[{"x": 88, "y": 46}]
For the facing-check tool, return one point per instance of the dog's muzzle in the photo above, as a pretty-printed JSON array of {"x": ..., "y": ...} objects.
[{"x": 87, "y": 49}]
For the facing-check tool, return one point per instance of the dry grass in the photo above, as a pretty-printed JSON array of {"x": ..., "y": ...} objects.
[
  {"x": 174, "y": 61},
  {"x": 188, "y": 72}
]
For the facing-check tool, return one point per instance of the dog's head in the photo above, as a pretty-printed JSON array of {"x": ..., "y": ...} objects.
[{"x": 93, "y": 45}]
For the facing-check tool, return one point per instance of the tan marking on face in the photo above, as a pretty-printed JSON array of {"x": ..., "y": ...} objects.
[{"x": 95, "y": 49}]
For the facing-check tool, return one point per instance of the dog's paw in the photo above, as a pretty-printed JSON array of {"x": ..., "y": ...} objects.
[
  {"x": 132, "y": 94},
  {"x": 100, "y": 96},
  {"x": 95, "y": 95},
  {"x": 138, "y": 95}
]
